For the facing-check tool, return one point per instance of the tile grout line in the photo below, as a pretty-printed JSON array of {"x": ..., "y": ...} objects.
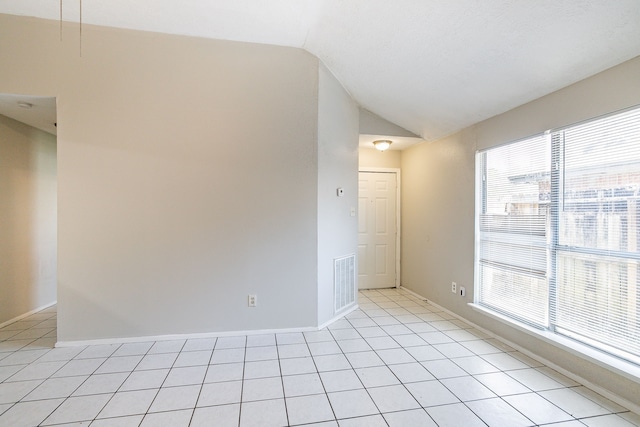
[
  {"x": 284, "y": 394},
  {"x": 614, "y": 411},
  {"x": 438, "y": 379},
  {"x": 146, "y": 412},
  {"x": 313, "y": 360},
  {"x": 204, "y": 378}
]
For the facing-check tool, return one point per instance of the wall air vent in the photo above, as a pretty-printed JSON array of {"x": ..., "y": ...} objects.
[{"x": 344, "y": 282}]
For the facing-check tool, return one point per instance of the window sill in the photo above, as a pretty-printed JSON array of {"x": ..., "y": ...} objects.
[{"x": 621, "y": 367}]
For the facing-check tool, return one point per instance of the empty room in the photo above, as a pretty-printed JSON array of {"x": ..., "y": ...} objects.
[{"x": 320, "y": 213}]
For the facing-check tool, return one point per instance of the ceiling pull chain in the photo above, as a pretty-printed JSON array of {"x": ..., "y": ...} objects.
[
  {"x": 61, "y": 24},
  {"x": 80, "y": 28}
]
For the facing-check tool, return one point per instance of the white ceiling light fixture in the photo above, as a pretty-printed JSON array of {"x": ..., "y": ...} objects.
[{"x": 382, "y": 144}]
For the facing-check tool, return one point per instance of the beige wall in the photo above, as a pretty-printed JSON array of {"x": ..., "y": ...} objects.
[
  {"x": 337, "y": 167},
  {"x": 438, "y": 205},
  {"x": 188, "y": 178},
  {"x": 372, "y": 158},
  {"x": 27, "y": 218}
]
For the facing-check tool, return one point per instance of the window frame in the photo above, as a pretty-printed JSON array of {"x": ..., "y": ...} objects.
[{"x": 598, "y": 351}]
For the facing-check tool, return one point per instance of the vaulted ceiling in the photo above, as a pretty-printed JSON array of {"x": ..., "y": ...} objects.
[{"x": 430, "y": 66}]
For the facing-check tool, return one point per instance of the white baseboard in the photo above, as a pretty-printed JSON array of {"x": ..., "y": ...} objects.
[
  {"x": 27, "y": 314},
  {"x": 634, "y": 407},
  {"x": 424, "y": 299},
  {"x": 147, "y": 338},
  {"x": 338, "y": 316}
]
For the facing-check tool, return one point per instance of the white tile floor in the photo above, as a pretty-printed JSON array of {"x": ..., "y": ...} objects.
[{"x": 397, "y": 361}]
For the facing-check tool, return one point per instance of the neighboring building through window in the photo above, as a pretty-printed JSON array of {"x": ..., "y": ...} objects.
[{"x": 558, "y": 229}]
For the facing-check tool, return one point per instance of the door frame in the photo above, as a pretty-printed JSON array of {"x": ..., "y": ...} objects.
[{"x": 398, "y": 222}]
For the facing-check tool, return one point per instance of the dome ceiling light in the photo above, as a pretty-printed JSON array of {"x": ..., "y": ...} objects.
[{"x": 382, "y": 144}]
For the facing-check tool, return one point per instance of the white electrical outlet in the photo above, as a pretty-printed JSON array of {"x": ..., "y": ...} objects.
[
  {"x": 463, "y": 291},
  {"x": 454, "y": 287},
  {"x": 253, "y": 300}
]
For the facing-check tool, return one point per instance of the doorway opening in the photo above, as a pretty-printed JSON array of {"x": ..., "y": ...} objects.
[{"x": 28, "y": 205}]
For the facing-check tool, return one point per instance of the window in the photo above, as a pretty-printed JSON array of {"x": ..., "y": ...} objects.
[
  {"x": 512, "y": 263},
  {"x": 558, "y": 232}
]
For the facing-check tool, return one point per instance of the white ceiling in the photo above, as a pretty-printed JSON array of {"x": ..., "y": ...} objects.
[{"x": 432, "y": 67}]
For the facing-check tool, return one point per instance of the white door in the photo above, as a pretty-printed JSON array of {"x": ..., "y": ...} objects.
[{"x": 376, "y": 230}]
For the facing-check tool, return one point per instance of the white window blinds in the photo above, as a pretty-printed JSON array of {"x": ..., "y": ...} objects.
[
  {"x": 558, "y": 232},
  {"x": 598, "y": 280},
  {"x": 512, "y": 253}
]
